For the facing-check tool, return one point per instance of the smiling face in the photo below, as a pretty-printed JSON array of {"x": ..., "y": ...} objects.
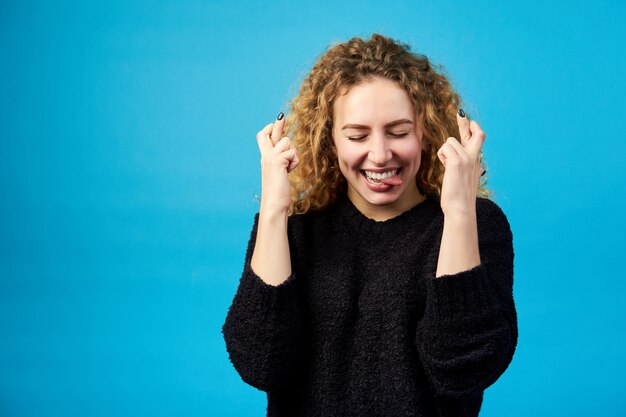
[{"x": 378, "y": 144}]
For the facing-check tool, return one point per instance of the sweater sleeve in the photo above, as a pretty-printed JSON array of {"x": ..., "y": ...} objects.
[
  {"x": 468, "y": 334},
  {"x": 263, "y": 327}
]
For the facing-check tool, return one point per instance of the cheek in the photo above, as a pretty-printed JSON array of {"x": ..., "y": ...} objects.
[
  {"x": 410, "y": 152},
  {"x": 347, "y": 156}
]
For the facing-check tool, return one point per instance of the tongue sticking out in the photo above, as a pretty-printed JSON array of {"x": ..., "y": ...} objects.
[{"x": 395, "y": 180}]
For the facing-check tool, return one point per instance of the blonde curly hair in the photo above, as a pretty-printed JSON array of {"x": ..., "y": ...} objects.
[{"x": 317, "y": 180}]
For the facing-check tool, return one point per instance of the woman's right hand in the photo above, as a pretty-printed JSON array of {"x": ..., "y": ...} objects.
[{"x": 278, "y": 159}]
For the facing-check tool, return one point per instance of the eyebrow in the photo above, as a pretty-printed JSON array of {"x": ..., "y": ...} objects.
[{"x": 394, "y": 123}]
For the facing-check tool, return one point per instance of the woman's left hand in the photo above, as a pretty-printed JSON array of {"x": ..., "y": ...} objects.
[{"x": 462, "y": 168}]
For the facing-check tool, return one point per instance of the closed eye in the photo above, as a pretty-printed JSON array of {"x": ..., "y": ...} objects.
[{"x": 399, "y": 135}]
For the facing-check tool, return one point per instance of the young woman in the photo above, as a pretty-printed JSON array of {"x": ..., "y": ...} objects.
[{"x": 378, "y": 276}]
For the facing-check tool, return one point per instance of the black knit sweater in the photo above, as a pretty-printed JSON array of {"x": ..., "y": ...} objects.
[{"x": 363, "y": 328}]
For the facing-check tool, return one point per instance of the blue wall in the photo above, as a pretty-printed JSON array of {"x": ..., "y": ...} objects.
[{"x": 129, "y": 168}]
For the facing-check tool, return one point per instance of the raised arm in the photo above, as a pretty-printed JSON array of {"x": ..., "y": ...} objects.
[
  {"x": 271, "y": 260},
  {"x": 461, "y": 159},
  {"x": 468, "y": 334},
  {"x": 263, "y": 329}
]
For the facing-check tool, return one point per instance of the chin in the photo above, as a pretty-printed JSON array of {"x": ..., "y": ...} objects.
[
  {"x": 382, "y": 200},
  {"x": 378, "y": 198}
]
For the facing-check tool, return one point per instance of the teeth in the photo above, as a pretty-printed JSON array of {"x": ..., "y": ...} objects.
[{"x": 380, "y": 175}]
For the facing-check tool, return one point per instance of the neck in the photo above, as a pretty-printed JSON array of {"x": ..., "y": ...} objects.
[{"x": 379, "y": 213}]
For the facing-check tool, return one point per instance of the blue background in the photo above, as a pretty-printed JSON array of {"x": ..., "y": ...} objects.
[{"x": 129, "y": 168}]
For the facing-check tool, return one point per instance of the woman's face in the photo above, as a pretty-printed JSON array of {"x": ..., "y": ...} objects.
[{"x": 378, "y": 144}]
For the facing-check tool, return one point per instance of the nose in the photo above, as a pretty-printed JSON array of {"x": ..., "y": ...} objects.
[{"x": 379, "y": 152}]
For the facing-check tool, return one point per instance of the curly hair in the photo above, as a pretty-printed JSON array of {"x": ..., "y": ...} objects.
[{"x": 317, "y": 180}]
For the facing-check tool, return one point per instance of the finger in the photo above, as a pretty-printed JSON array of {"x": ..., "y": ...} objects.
[
  {"x": 442, "y": 156},
  {"x": 283, "y": 145},
  {"x": 464, "y": 126},
  {"x": 294, "y": 163},
  {"x": 287, "y": 158},
  {"x": 277, "y": 129},
  {"x": 458, "y": 148},
  {"x": 292, "y": 166},
  {"x": 262, "y": 138},
  {"x": 477, "y": 138},
  {"x": 447, "y": 153}
]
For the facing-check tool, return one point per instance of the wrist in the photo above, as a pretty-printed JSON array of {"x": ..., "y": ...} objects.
[
  {"x": 461, "y": 229},
  {"x": 460, "y": 215},
  {"x": 270, "y": 212}
]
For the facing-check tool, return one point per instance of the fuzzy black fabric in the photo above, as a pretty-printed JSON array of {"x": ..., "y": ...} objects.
[{"x": 363, "y": 328}]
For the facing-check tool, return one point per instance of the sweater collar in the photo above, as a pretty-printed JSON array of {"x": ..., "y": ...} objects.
[{"x": 419, "y": 215}]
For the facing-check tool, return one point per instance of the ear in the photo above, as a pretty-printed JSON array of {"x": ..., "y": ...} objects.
[{"x": 334, "y": 149}]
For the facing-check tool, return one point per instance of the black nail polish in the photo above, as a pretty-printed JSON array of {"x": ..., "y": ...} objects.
[
  {"x": 280, "y": 116},
  {"x": 484, "y": 172},
  {"x": 461, "y": 113}
]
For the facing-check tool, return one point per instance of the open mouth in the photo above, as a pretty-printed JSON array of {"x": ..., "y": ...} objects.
[{"x": 377, "y": 178}]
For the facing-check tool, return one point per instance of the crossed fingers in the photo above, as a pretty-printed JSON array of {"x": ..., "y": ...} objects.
[
  {"x": 274, "y": 147},
  {"x": 469, "y": 148},
  {"x": 472, "y": 136}
]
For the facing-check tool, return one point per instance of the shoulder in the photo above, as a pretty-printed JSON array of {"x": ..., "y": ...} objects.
[
  {"x": 491, "y": 217},
  {"x": 299, "y": 220},
  {"x": 488, "y": 208},
  {"x": 313, "y": 226},
  {"x": 314, "y": 218},
  {"x": 299, "y": 224}
]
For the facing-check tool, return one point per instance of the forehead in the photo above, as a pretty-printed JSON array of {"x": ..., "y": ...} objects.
[{"x": 371, "y": 101}]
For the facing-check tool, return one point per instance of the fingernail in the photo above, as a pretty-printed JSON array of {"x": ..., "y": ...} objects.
[
  {"x": 461, "y": 113},
  {"x": 484, "y": 172},
  {"x": 280, "y": 116}
]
